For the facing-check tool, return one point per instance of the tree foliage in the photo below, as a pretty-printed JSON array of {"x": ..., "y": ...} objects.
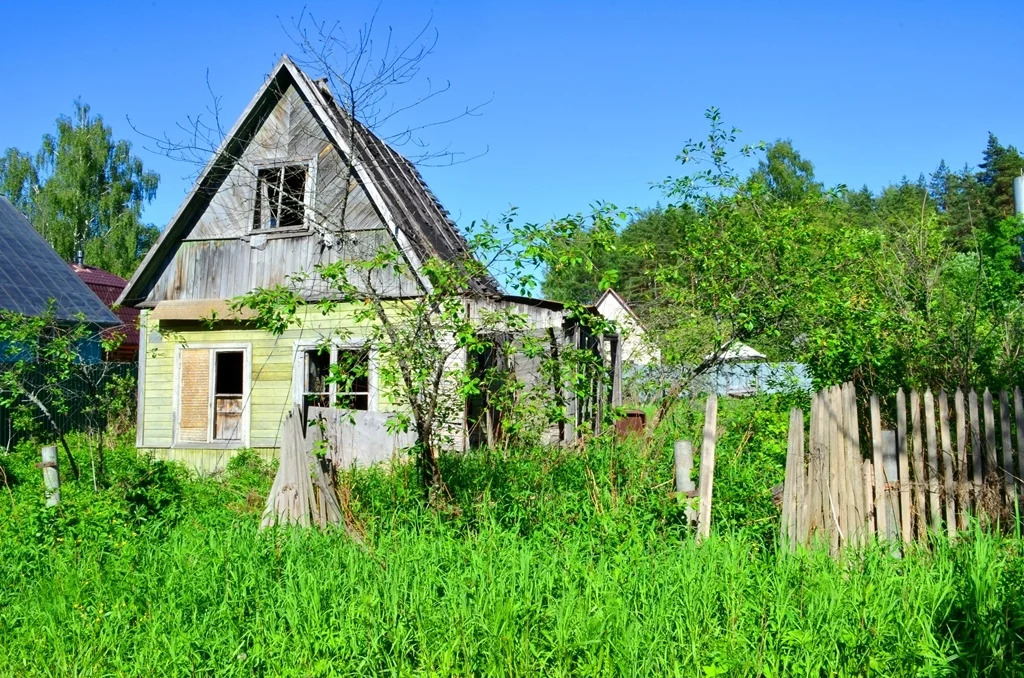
[
  {"x": 84, "y": 191},
  {"x": 919, "y": 284},
  {"x": 50, "y": 368}
]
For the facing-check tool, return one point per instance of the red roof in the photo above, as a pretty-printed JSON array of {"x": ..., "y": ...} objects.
[{"x": 107, "y": 287}]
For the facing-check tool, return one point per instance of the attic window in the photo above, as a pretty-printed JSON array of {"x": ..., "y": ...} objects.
[{"x": 280, "y": 197}]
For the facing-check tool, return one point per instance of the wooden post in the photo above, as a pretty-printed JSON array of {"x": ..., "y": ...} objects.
[
  {"x": 1018, "y": 408},
  {"x": 51, "y": 475},
  {"x": 947, "y": 463},
  {"x": 1004, "y": 430},
  {"x": 890, "y": 490},
  {"x": 881, "y": 517},
  {"x": 932, "y": 470},
  {"x": 903, "y": 464},
  {"x": 918, "y": 463},
  {"x": 792, "y": 489},
  {"x": 684, "y": 477},
  {"x": 961, "y": 460},
  {"x": 977, "y": 472},
  {"x": 707, "y": 468}
]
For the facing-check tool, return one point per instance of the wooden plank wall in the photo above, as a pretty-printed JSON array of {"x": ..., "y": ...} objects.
[
  {"x": 942, "y": 463},
  {"x": 220, "y": 257}
]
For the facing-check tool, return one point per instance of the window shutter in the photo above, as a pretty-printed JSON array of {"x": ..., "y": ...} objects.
[{"x": 194, "y": 407}]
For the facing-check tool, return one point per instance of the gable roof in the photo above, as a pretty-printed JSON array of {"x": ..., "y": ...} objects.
[
  {"x": 421, "y": 227},
  {"x": 615, "y": 296},
  {"x": 31, "y": 274},
  {"x": 737, "y": 351}
]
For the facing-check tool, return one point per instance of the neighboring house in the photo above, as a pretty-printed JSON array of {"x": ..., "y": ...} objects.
[
  {"x": 636, "y": 346},
  {"x": 32, "y": 274},
  {"x": 108, "y": 288},
  {"x": 268, "y": 205},
  {"x": 743, "y": 371}
]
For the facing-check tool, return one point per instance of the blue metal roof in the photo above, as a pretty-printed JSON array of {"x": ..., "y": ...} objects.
[{"x": 31, "y": 274}]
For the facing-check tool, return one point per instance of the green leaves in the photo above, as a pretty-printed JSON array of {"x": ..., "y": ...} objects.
[{"x": 84, "y": 191}]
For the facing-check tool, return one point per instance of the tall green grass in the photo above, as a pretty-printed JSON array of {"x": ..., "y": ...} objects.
[{"x": 540, "y": 563}]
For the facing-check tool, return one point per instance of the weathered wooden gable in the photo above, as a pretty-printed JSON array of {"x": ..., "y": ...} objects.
[{"x": 219, "y": 255}]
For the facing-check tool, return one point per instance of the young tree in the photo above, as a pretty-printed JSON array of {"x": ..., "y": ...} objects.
[{"x": 50, "y": 369}]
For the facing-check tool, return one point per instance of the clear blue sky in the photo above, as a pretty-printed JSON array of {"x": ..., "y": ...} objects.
[{"x": 589, "y": 100}]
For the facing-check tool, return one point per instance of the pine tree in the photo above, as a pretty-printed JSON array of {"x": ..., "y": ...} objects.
[{"x": 997, "y": 169}]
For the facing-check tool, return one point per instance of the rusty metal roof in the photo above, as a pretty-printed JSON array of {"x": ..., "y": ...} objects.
[{"x": 108, "y": 286}]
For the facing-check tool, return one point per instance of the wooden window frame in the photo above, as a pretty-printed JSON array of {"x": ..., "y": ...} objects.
[
  {"x": 213, "y": 348},
  {"x": 299, "y": 370},
  {"x": 308, "y": 202}
]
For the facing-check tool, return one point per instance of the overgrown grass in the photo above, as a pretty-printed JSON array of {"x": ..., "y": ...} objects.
[{"x": 541, "y": 563}]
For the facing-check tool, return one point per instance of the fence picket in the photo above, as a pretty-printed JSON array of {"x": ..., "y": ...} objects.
[
  {"x": 867, "y": 482},
  {"x": 1004, "y": 430},
  {"x": 947, "y": 464},
  {"x": 932, "y": 467},
  {"x": 977, "y": 472},
  {"x": 903, "y": 466},
  {"x": 889, "y": 490},
  {"x": 814, "y": 485},
  {"x": 962, "y": 491},
  {"x": 991, "y": 465},
  {"x": 881, "y": 518},
  {"x": 918, "y": 464},
  {"x": 854, "y": 464},
  {"x": 792, "y": 489},
  {"x": 835, "y": 471}
]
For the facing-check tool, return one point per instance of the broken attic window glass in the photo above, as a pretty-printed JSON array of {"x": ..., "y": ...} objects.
[{"x": 281, "y": 197}]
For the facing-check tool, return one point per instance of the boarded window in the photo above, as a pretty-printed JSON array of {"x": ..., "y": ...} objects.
[
  {"x": 211, "y": 397},
  {"x": 194, "y": 408},
  {"x": 280, "y": 197}
]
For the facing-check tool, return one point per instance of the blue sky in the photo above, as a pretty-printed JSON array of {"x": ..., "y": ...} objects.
[{"x": 587, "y": 100}]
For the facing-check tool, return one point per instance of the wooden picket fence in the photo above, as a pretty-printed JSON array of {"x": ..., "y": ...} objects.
[{"x": 937, "y": 467}]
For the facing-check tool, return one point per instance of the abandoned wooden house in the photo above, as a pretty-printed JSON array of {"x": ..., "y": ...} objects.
[{"x": 295, "y": 183}]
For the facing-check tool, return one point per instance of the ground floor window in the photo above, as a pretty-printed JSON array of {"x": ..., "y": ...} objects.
[
  {"x": 335, "y": 376},
  {"x": 211, "y": 394}
]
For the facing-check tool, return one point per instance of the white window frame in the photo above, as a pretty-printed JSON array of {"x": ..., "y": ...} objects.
[
  {"x": 308, "y": 202},
  {"x": 214, "y": 348},
  {"x": 299, "y": 367}
]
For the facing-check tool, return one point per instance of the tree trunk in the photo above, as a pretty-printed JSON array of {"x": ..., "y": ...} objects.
[{"x": 430, "y": 471}]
